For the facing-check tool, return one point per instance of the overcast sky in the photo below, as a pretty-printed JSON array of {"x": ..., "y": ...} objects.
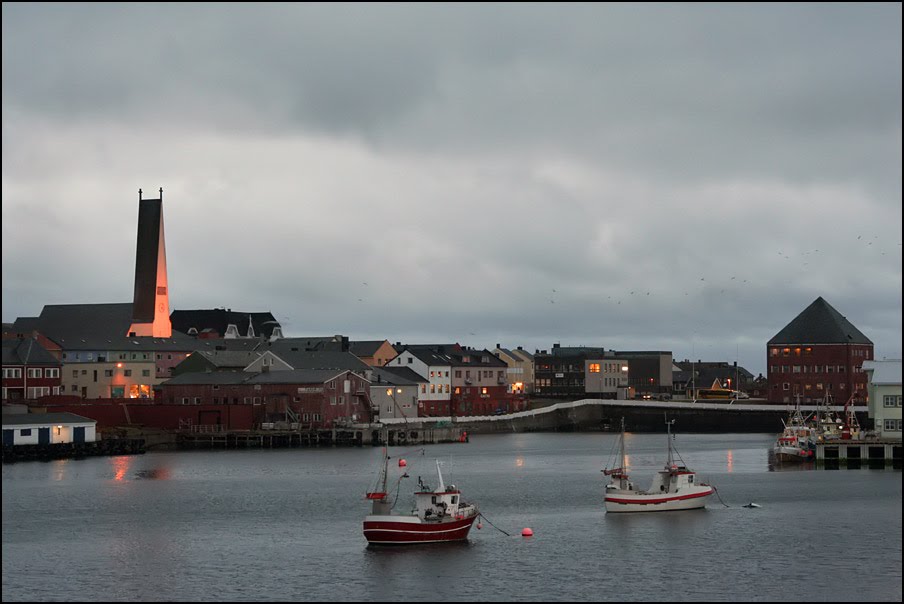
[{"x": 639, "y": 177}]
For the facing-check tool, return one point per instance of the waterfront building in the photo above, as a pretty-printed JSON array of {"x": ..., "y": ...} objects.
[
  {"x": 884, "y": 393},
  {"x": 479, "y": 384},
  {"x": 30, "y": 371},
  {"x": 433, "y": 364},
  {"x": 562, "y": 372},
  {"x": 313, "y": 398},
  {"x": 573, "y": 372},
  {"x": 47, "y": 429},
  {"x": 520, "y": 371},
  {"x": 394, "y": 392},
  {"x": 818, "y": 354}
]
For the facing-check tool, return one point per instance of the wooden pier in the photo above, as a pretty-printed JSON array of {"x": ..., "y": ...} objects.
[
  {"x": 107, "y": 446},
  {"x": 351, "y": 436}
]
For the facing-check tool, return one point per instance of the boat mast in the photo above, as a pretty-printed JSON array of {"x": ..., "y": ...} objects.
[
  {"x": 622, "y": 447},
  {"x": 668, "y": 429}
]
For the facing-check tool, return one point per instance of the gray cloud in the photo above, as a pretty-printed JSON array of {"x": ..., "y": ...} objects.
[{"x": 726, "y": 163}]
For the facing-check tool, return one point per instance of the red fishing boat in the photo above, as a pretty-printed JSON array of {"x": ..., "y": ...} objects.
[{"x": 439, "y": 515}]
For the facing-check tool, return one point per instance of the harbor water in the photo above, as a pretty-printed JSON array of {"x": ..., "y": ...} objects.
[{"x": 286, "y": 525}]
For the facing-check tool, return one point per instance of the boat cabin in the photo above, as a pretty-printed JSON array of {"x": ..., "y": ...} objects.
[
  {"x": 436, "y": 505},
  {"x": 672, "y": 479}
]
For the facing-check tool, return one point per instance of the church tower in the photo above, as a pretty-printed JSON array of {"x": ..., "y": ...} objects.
[{"x": 150, "y": 307}]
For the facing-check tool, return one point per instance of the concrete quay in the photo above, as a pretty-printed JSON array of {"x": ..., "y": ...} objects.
[{"x": 640, "y": 416}]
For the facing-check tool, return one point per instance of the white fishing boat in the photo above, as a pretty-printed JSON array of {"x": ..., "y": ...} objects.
[{"x": 674, "y": 488}]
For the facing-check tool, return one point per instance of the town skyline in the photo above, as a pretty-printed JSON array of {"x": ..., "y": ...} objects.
[{"x": 470, "y": 174}]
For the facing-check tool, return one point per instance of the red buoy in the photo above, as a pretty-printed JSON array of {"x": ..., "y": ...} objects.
[
  {"x": 479, "y": 525},
  {"x": 527, "y": 533},
  {"x": 402, "y": 463}
]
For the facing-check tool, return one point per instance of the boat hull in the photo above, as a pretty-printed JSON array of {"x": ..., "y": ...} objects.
[
  {"x": 657, "y": 502},
  {"x": 405, "y": 530}
]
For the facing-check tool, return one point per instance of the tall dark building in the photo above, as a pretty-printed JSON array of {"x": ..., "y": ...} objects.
[
  {"x": 150, "y": 308},
  {"x": 817, "y": 354}
]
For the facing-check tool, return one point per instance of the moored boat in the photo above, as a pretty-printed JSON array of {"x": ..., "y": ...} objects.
[
  {"x": 797, "y": 442},
  {"x": 673, "y": 488},
  {"x": 439, "y": 515}
]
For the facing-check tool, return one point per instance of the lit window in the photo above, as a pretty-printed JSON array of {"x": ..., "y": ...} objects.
[{"x": 594, "y": 367}]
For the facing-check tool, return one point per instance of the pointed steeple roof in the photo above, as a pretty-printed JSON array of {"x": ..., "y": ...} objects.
[{"x": 819, "y": 323}]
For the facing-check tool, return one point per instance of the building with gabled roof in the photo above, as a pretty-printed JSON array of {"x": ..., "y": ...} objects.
[
  {"x": 30, "y": 371},
  {"x": 375, "y": 353},
  {"x": 818, "y": 356}
]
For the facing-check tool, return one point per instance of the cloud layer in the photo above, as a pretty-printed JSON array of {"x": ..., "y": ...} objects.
[{"x": 669, "y": 177}]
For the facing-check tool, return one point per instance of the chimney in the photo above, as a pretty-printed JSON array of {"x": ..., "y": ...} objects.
[{"x": 497, "y": 345}]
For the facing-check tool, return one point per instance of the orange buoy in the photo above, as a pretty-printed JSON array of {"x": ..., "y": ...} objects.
[
  {"x": 479, "y": 525},
  {"x": 402, "y": 463},
  {"x": 527, "y": 533}
]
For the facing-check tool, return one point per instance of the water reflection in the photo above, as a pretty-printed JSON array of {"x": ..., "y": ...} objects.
[{"x": 121, "y": 466}]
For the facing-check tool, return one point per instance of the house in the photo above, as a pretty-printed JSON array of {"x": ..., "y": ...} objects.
[
  {"x": 30, "y": 371},
  {"x": 435, "y": 366},
  {"x": 818, "y": 354},
  {"x": 520, "y": 372},
  {"x": 884, "y": 393},
  {"x": 394, "y": 392},
  {"x": 375, "y": 353},
  {"x": 47, "y": 428},
  {"x": 317, "y": 398}
]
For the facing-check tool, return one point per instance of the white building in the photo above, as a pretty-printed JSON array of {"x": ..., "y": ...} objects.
[
  {"x": 47, "y": 429},
  {"x": 884, "y": 390}
]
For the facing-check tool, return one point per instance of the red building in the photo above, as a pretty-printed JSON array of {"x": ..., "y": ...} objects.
[
  {"x": 818, "y": 354},
  {"x": 315, "y": 398},
  {"x": 30, "y": 371}
]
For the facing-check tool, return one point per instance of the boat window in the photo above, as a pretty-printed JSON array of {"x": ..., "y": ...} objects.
[
  {"x": 454, "y": 498},
  {"x": 433, "y": 499},
  {"x": 690, "y": 479}
]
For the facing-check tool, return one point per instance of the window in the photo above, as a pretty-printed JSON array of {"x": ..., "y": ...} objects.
[
  {"x": 786, "y": 386},
  {"x": 892, "y": 425},
  {"x": 52, "y": 372},
  {"x": 75, "y": 373},
  {"x": 34, "y": 373},
  {"x": 146, "y": 372},
  {"x": 25, "y": 432},
  {"x": 197, "y": 400},
  {"x": 889, "y": 401},
  {"x": 127, "y": 372},
  {"x": 108, "y": 373},
  {"x": 184, "y": 400},
  {"x": 594, "y": 367}
]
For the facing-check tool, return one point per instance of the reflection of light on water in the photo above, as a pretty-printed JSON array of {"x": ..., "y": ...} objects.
[
  {"x": 120, "y": 466},
  {"x": 730, "y": 460},
  {"x": 627, "y": 461},
  {"x": 60, "y": 469},
  {"x": 519, "y": 462}
]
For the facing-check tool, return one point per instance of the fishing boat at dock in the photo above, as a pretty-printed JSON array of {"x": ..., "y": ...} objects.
[
  {"x": 674, "y": 488},
  {"x": 439, "y": 515},
  {"x": 797, "y": 442}
]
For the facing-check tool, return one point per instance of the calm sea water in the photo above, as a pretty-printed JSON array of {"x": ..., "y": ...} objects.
[{"x": 286, "y": 525}]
